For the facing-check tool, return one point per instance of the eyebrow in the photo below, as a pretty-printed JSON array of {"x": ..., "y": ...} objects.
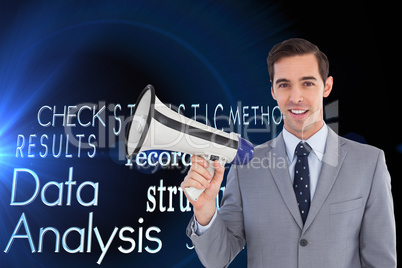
[
  {"x": 280, "y": 80},
  {"x": 308, "y": 78}
]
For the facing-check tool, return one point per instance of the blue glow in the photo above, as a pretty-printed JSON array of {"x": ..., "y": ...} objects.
[{"x": 62, "y": 53}]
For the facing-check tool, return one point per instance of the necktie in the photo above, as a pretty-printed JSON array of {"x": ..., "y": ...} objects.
[{"x": 301, "y": 183}]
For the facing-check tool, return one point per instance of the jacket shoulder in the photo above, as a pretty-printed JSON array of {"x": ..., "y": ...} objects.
[
  {"x": 265, "y": 147},
  {"x": 357, "y": 147}
]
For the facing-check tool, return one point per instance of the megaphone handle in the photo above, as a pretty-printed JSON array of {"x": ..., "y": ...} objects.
[{"x": 192, "y": 192}]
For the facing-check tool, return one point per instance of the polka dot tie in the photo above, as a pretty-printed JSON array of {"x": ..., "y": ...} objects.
[{"x": 301, "y": 183}]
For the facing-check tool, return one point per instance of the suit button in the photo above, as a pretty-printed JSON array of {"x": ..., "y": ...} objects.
[{"x": 303, "y": 242}]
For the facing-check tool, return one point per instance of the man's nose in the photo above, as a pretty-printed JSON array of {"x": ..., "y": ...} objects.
[{"x": 296, "y": 95}]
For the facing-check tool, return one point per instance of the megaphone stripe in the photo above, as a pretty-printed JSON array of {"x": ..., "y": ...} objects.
[
  {"x": 155, "y": 126},
  {"x": 195, "y": 131}
]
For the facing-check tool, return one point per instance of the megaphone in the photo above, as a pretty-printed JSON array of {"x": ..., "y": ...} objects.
[{"x": 154, "y": 126}]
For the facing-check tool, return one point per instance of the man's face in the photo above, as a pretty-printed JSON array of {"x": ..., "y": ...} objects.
[{"x": 299, "y": 90}]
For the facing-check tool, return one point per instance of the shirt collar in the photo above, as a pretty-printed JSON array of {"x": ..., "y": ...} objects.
[{"x": 317, "y": 142}]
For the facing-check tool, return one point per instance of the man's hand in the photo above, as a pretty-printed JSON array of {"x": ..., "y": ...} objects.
[{"x": 199, "y": 177}]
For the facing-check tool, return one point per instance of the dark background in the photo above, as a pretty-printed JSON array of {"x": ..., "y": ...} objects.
[{"x": 71, "y": 52}]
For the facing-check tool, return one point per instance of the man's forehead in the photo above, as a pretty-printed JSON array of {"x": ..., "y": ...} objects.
[{"x": 296, "y": 67}]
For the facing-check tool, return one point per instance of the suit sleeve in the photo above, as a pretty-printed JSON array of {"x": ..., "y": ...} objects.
[
  {"x": 225, "y": 238},
  {"x": 378, "y": 235}
]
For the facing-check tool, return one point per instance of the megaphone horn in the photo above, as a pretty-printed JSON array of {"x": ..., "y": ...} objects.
[{"x": 154, "y": 126}]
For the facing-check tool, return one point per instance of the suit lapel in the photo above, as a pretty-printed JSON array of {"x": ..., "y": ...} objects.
[
  {"x": 282, "y": 178},
  {"x": 331, "y": 164}
]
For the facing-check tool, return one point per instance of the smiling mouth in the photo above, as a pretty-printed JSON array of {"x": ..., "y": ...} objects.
[{"x": 298, "y": 112}]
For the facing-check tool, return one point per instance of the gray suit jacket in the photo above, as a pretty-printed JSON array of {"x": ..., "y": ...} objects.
[{"x": 350, "y": 224}]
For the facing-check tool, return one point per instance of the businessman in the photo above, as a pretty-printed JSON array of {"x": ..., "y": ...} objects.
[{"x": 330, "y": 203}]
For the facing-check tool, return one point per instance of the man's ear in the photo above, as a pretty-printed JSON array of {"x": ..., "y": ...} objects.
[
  {"x": 328, "y": 86},
  {"x": 273, "y": 93}
]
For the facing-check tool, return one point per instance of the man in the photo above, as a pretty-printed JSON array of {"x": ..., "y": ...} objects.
[{"x": 327, "y": 204}]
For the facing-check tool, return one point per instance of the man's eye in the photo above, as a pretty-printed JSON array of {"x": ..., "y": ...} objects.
[
  {"x": 308, "y": 84},
  {"x": 283, "y": 85}
]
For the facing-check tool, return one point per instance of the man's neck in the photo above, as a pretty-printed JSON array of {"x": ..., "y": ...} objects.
[{"x": 306, "y": 133}]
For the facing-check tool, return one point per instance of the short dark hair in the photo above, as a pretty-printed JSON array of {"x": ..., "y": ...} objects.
[{"x": 297, "y": 47}]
